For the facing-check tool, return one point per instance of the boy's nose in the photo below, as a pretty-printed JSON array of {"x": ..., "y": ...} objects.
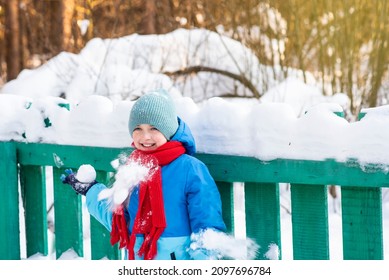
[{"x": 146, "y": 135}]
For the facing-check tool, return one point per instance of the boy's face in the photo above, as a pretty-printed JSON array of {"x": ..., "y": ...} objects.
[{"x": 147, "y": 137}]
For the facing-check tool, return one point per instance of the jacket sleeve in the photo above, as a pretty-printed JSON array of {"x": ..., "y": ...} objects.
[
  {"x": 203, "y": 198},
  {"x": 99, "y": 209}
]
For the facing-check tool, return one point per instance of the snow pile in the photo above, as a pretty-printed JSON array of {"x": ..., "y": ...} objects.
[
  {"x": 225, "y": 246},
  {"x": 273, "y": 252},
  {"x": 123, "y": 68},
  {"x": 102, "y": 81},
  {"x": 266, "y": 131}
]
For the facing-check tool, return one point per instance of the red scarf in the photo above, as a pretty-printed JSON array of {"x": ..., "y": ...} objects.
[{"x": 150, "y": 218}]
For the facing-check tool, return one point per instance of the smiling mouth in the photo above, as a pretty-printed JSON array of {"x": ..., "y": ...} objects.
[{"x": 148, "y": 145}]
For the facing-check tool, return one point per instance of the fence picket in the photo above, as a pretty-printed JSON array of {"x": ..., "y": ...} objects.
[
  {"x": 68, "y": 217},
  {"x": 362, "y": 223},
  {"x": 310, "y": 222},
  {"x": 262, "y": 208},
  {"x": 33, "y": 188},
  {"x": 9, "y": 206}
]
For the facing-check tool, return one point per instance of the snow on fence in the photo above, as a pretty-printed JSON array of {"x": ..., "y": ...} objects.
[
  {"x": 24, "y": 184},
  {"x": 362, "y": 223}
]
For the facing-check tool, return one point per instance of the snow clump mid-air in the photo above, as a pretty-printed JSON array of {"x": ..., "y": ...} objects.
[{"x": 127, "y": 177}]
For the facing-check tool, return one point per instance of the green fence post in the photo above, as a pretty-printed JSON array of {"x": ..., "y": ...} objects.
[
  {"x": 33, "y": 187},
  {"x": 362, "y": 223},
  {"x": 9, "y": 206},
  {"x": 67, "y": 217},
  {"x": 226, "y": 191},
  {"x": 310, "y": 222},
  {"x": 262, "y": 204},
  {"x": 100, "y": 237}
]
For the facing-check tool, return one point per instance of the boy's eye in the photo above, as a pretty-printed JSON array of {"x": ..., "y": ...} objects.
[
  {"x": 154, "y": 128},
  {"x": 136, "y": 128}
]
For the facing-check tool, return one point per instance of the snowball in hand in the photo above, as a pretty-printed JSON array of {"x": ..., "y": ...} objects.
[{"x": 86, "y": 173}]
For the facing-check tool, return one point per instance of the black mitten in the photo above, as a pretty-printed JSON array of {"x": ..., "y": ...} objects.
[{"x": 80, "y": 187}]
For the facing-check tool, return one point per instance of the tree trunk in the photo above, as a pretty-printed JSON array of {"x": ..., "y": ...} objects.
[
  {"x": 61, "y": 14},
  {"x": 379, "y": 56},
  {"x": 55, "y": 27},
  {"x": 148, "y": 24},
  {"x": 12, "y": 34},
  {"x": 67, "y": 20}
]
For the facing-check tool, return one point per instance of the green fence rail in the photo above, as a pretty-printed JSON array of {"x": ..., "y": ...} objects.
[{"x": 23, "y": 167}]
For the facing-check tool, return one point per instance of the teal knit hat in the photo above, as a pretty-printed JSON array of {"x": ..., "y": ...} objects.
[{"x": 155, "y": 108}]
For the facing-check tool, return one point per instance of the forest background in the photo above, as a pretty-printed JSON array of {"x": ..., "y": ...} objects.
[{"x": 342, "y": 44}]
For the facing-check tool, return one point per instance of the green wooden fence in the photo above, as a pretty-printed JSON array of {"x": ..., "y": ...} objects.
[{"x": 22, "y": 176}]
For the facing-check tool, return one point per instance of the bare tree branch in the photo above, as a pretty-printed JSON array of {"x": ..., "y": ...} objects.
[{"x": 196, "y": 69}]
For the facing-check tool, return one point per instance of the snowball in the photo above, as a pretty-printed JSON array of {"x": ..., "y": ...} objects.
[{"x": 86, "y": 173}]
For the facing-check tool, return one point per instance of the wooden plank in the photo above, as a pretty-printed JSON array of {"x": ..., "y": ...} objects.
[
  {"x": 328, "y": 172},
  {"x": 100, "y": 242},
  {"x": 227, "y": 196},
  {"x": 33, "y": 186},
  {"x": 67, "y": 217},
  {"x": 362, "y": 223},
  {"x": 67, "y": 156},
  {"x": 262, "y": 208},
  {"x": 9, "y": 206},
  {"x": 100, "y": 237},
  {"x": 310, "y": 222},
  {"x": 222, "y": 167}
]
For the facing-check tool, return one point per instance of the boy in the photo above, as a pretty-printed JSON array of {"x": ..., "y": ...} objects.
[{"x": 164, "y": 215}]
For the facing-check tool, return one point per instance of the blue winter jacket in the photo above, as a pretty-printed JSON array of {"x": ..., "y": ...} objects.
[{"x": 191, "y": 199}]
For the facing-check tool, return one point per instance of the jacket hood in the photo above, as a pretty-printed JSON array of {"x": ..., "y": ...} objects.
[{"x": 184, "y": 135}]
